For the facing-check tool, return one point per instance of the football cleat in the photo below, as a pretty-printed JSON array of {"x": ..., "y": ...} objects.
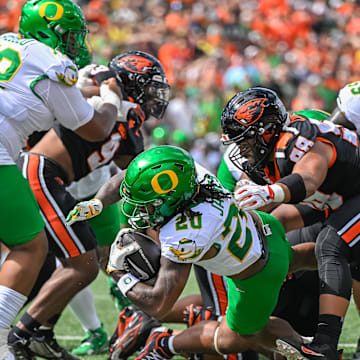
[
  {"x": 19, "y": 350},
  {"x": 156, "y": 347},
  {"x": 94, "y": 342},
  {"x": 194, "y": 314},
  {"x": 130, "y": 335},
  {"x": 292, "y": 350},
  {"x": 43, "y": 343}
]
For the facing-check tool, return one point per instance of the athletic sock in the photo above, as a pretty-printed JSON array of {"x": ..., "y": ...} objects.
[
  {"x": 11, "y": 302},
  {"x": 328, "y": 330},
  {"x": 83, "y": 307}
]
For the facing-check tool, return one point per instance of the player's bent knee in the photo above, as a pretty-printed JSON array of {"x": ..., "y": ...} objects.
[
  {"x": 84, "y": 268},
  {"x": 355, "y": 271},
  {"x": 332, "y": 255}
]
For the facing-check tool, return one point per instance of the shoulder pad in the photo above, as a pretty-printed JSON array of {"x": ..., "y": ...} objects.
[
  {"x": 59, "y": 67},
  {"x": 297, "y": 117}
]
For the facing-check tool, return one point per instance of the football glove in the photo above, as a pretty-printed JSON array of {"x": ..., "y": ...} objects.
[
  {"x": 251, "y": 197},
  {"x": 84, "y": 76},
  {"x": 100, "y": 73},
  {"x": 120, "y": 250},
  {"x": 84, "y": 210}
]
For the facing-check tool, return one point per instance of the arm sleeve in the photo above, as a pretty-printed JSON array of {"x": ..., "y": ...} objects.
[
  {"x": 225, "y": 176},
  {"x": 66, "y": 103}
]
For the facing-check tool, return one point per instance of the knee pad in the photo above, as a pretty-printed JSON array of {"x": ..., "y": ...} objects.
[
  {"x": 332, "y": 255},
  {"x": 303, "y": 235}
]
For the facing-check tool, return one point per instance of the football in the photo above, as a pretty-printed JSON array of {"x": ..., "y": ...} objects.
[{"x": 145, "y": 262}]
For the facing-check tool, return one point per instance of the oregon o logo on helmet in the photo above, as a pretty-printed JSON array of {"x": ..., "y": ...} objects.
[
  {"x": 155, "y": 183},
  {"x": 56, "y": 16}
]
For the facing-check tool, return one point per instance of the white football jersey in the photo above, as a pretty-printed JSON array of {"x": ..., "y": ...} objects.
[
  {"x": 348, "y": 102},
  {"x": 220, "y": 225},
  {"x": 24, "y": 63}
]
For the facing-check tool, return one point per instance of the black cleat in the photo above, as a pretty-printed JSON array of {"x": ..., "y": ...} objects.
[
  {"x": 43, "y": 344},
  {"x": 20, "y": 351},
  {"x": 18, "y": 347},
  {"x": 130, "y": 335},
  {"x": 300, "y": 351},
  {"x": 155, "y": 348}
]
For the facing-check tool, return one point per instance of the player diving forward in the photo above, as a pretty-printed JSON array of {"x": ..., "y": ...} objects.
[{"x": 200, "y": 223}]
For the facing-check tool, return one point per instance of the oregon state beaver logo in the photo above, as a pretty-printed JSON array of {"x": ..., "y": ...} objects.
[
  {"x": 250, "y": 112},
  {"x": 136, "y": 64}
]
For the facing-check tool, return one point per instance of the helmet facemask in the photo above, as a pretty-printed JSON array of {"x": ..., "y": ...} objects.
[
  {"x": 75, "y": 45},
  {"x": 156, "y": 96},
  {"x": 253, "y": 120},
  {"x": 59, "y": 24},
  {"x": 143, "y": 80},
  {"x": 158, "y": 183},
  {"x": 142, "y": 214}
]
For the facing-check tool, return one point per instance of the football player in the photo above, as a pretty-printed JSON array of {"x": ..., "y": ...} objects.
[
  {"x": 199, "y": 222},
  {"x": 37, "y": 78},
  {"x": 60, "y": 158},
  {"x": 314, "y": 165},
  {"x": 347, "y": 114},
  {"x": 347, "y": 110}
]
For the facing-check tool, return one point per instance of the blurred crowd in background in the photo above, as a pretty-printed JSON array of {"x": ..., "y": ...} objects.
[{"x": 304, "y": 50}]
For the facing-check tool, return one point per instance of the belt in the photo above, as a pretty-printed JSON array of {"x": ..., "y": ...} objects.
[{"x": 263, "y": 259}]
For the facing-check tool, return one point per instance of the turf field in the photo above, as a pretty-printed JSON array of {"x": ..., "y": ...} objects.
[{"x": 69, "y": 332}]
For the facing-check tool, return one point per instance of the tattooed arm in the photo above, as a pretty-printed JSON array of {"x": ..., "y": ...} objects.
[{"x": 158, "y": 300}]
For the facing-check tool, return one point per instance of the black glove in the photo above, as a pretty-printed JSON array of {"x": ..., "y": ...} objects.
[
  {"x": 136, "y": 117},
  {"x": 100, "y": 73}
]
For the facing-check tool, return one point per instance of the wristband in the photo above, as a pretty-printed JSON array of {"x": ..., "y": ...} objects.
[
  {"x": 109, "y": 96},
  {"x": 126, "y": 283},
  {"x": 278, "y": 193},
  {"x": 296, "y": 186}
]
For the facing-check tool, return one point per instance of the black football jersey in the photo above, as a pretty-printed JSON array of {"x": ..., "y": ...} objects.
[
  {"x": 86, "y": 156},
  {"x": 343, "y": 178}
]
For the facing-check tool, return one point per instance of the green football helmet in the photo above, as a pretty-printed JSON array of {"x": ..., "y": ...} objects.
[
  {"x": 157, "y": 183},
  {"x": 59, "y": 24}
]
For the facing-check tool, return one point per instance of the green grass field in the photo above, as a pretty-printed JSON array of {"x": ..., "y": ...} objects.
[{"x": 69, "y": 331}]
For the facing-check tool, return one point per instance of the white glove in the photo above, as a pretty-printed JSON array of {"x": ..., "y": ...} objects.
[
  {"x": 84, "y": 210},
  {"x": 120, "y": 250},
  {"x": 84, "y": 76},
  {"x": 251, "y": 197},
  {"x": 240, "y": 186},
  {"x": 125, "y": 107},
  {"x": 96, "y": 102}
]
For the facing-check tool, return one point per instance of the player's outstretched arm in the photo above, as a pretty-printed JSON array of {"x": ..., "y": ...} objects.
[{"x": 107, "y": 195}]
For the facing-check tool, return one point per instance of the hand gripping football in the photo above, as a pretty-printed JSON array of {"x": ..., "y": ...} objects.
[{"x": 144, "y": 263}]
